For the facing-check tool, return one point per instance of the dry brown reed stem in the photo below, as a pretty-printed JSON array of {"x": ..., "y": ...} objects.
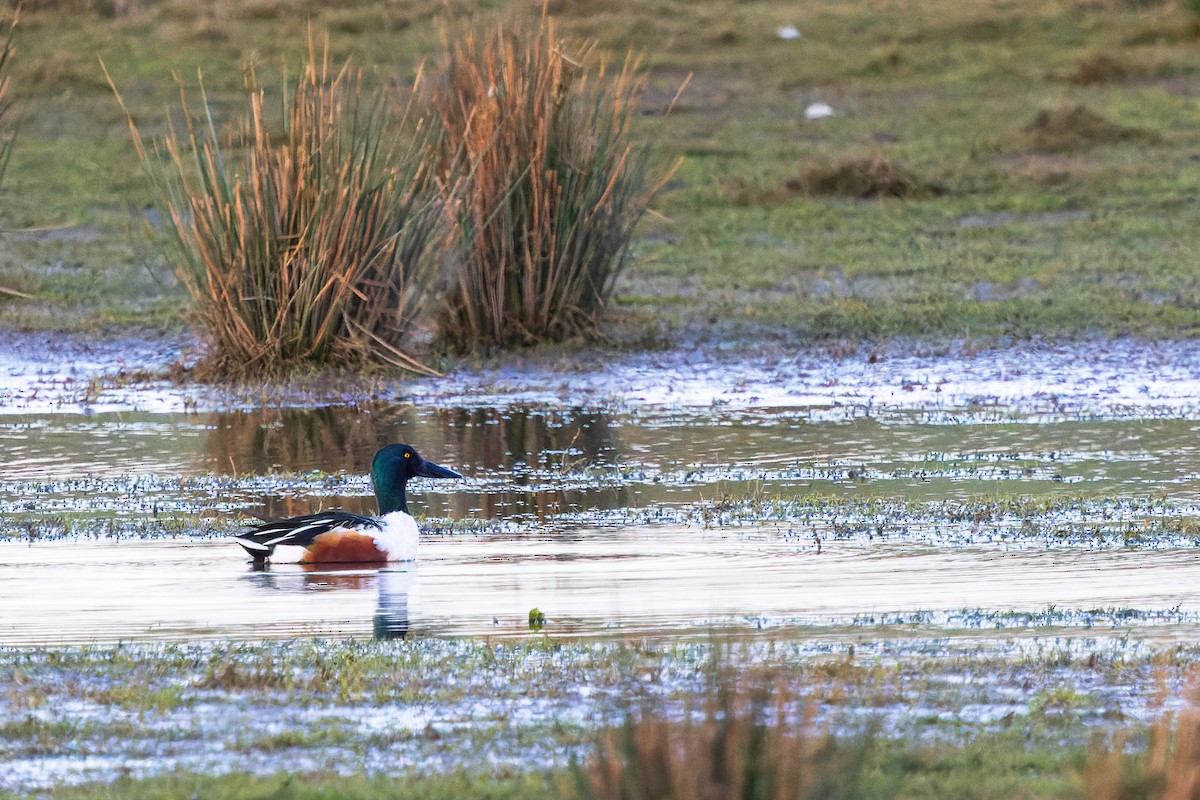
[
  {"x": 316, "y": 248},
  {"x": 748, "y": 743},
  {"x": 1169, "y": 769},
  {"x": 7, "y": 134},
  {"x": 556, "y": 183}
]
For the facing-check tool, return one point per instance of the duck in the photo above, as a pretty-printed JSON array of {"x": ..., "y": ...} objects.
[{"x": 336, "y": 536}]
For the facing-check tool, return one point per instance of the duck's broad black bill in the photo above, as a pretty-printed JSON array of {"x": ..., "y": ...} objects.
[{"x": 427, "y": 469}]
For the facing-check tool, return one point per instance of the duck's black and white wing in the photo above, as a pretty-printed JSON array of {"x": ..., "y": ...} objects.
[{"x": 301, "y": 531}]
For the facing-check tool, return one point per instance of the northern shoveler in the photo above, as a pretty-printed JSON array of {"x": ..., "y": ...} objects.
[{"x": 341, "y": 537}]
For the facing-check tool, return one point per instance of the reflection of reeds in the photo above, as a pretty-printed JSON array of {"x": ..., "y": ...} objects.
[
  {"x": 742, "y": 746},
  {"x": 317, "y": 247},
  {"x": 331, "y": 439},
  {"x": 555, "y": 183},
  {"x": 519, "y": 441}
]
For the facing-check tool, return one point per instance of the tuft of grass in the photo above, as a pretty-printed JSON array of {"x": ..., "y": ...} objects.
[
  {"x": 314, "y": 246},
  {"x": 863, "y": 178},
  {"x": 1071, "y": 128},
  {"x": 557, "y": 183},
  {"x": 744, "y": 746},
  {"x": 1099, "y": 68},
  {"x": 1168, "y": 768}
]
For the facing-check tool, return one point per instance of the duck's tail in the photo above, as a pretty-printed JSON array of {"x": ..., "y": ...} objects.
[{"x": 257, "y": 550}]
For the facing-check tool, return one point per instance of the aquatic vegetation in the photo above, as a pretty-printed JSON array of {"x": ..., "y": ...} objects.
[
  {"x": 314, "y": 246},
  {"x": 555, "y": 181},
  {"x": 537, "y": 619},
  {"x": 907, "y": 711},
  {"x": 1168, "y": 768},
  {"x": 744, "y": 746}
]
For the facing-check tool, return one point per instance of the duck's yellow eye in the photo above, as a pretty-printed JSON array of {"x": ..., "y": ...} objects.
[{"x": 408, "y": 455}]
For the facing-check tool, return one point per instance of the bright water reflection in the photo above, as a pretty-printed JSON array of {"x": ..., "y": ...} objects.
[
  {"x": 622, "y": 582},
  {"x": 536, "y": 462},
  {"x": 548, "y": 477}
]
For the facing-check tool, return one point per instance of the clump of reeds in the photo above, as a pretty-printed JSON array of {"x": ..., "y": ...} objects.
[
  {"x": 1072, "y": 128},
  {"x": 7, "y": 135},
  {"x": 741, "y": 746},
  {"x": 863, "y": 178},
  {"x": 1169, "y": 769},
  {"x": 315, "y": 246},
  {"x": 556, "y": 183}
]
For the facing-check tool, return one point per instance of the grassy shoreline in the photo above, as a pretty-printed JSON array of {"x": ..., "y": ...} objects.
[
  {"x": 1025, "y": 241},
  {"x": 478, "y": 717}
]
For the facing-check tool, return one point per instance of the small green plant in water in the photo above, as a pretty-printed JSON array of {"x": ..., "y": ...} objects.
[{"x": 537, "y": 620}]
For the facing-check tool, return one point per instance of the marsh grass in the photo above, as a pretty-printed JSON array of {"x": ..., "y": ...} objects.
[
  {"x": 556, "y": 182},
  {"x": 7, "y": 135},
  {"x": 1168, "y": 768},
  {"x": 316, "y": 246},
  {"x": 744, "y": 742},
  {"x": 863, "y": 178},
  {"x": 1067, "y": 129}
]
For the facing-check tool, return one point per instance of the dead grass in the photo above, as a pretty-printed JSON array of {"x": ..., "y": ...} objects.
[
  {"x": 556, "y": 182},
  {"x": 741, "y": 746},
  {"x": 1169, "y": 769},
  {"x": 1073, "y": 128},
  {"x": 1098, "y": 68},
  {"x": 317, "y": 246},
  {"x": 863, "y": 178}
]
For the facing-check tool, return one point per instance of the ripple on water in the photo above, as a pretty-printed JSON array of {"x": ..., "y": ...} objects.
[{"x": 590, "y": 582}]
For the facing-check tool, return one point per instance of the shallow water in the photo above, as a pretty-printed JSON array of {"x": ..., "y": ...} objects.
[
  {"x": 637, "y": 522},
  {"x": 1029, "y": 514},
  {"x": 531, "y": 461},
  {"x": 645, "y": 512},
  {"x": 590, "y": 582}
]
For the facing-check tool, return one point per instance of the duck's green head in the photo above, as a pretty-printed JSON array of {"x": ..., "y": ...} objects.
[{"x": 391, "y": 470}]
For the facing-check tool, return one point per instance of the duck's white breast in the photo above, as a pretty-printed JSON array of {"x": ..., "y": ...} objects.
[{"x": 399, "y": 536}]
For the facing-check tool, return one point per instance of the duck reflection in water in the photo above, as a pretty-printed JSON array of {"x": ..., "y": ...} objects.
[{"x": 392, "y": 583}]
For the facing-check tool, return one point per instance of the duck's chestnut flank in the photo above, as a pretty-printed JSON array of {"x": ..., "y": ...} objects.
[{"x": 341, "y": 537}]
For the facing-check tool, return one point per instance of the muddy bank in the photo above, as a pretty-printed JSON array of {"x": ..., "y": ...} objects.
[{"x": 1093, "y": 379}]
